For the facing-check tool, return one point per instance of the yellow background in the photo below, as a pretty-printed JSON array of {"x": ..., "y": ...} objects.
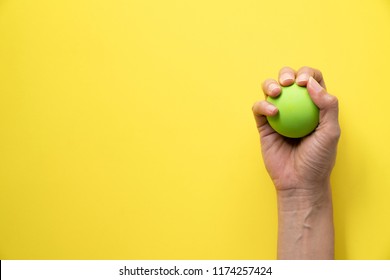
[{"x": 126, "y": 129}]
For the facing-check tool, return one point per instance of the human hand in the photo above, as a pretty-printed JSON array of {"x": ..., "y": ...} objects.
[{"x": 299, "y": 167}]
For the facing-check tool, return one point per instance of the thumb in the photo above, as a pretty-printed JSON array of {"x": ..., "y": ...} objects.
[{"x": 328, "y": 105}]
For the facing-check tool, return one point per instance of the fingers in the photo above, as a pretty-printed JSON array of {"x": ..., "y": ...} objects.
[
  {"x": 286, "y": 76},
  {"x": 264, "y": 108},
  {"x": 315, "y": 84},
  {"x": 271, "y": 88},
  {"x": 304, "y": 73},
  {"x": 328, "y": 105},
  {"x": 261, "y": 109},
  {"x": 320, "y": 97}
]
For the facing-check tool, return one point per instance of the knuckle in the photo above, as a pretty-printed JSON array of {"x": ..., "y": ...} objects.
[
  {"x": 265, "y": 84},
  {"x": 336, "y": 133},
  {"x": 256, "y": 107},
  {"x": 305, "y": 69},
  {"x": 333, "y": 101},
  {"x": 318, "y": 71},
  {"x": 286, "y": 69}
]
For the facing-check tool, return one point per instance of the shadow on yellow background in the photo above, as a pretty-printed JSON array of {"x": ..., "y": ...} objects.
[{"x": 127, "y": 131}]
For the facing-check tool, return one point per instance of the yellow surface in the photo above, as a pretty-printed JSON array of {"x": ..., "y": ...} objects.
[{"x": 126, "y": 129}]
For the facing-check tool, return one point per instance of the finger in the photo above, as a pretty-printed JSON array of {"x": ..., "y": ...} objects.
[
  {"x": 271, "y": 88},
  {"x": 329, "y": 108},
  {"x": 304, "y": 73},
  {"x": 264, "y": 108},
  {"x": 286, "y": 76},
  {"x": 261, "y": 109}
]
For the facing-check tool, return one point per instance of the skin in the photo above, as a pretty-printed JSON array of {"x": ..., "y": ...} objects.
[{"x": 300, "y": 169}]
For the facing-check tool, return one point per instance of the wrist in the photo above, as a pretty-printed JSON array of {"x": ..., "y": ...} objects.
[
  {"x": 304, "y": 196},
  {"x": 305, "y": 224}
]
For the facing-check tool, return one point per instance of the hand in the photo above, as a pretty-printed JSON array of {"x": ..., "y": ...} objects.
[
  {"x": 299, "y": 166},
  {"x": 300, "y": 169}
]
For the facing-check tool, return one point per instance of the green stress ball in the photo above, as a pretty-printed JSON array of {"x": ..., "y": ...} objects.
[{"x": 297, "y": 116}]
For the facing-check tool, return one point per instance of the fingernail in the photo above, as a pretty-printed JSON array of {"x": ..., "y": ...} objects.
[
  {"x": 271, "y": 109},
  {"x": 286, "y": 77},
  {"x": 315, "y": 85},
  {"x": 274, "y": 88},
  {"x": 303, "y": 78}
]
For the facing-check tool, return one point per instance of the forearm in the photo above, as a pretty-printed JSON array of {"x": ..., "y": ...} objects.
[{"x": 305, "y": 225}]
